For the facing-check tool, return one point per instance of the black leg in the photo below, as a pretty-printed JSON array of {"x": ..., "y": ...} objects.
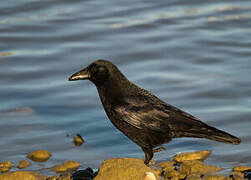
[{"x": 148, "y": 155}]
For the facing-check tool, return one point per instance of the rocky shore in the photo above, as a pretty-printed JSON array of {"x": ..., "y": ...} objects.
[{"x": 184, "y": 166}]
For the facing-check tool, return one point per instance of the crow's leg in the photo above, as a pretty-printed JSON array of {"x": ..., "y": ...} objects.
[{"x": 148, "y": 155}]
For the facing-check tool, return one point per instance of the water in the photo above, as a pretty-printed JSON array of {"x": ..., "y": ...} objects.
[{"x": 193, "y": 54}]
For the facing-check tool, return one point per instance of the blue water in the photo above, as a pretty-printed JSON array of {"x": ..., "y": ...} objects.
[{"x": 193, "y": 54}]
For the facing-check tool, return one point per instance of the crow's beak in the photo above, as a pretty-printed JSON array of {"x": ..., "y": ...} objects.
[{"x": 81, "y": 75}]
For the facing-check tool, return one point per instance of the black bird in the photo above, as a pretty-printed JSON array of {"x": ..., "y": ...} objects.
[{"x": 141, "y": 116}]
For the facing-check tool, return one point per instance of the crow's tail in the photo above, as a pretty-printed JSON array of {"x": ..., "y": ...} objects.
[{"x": 203, "y": 130}]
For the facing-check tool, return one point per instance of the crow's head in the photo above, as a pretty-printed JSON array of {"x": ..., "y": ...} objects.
[{"x": 99, "y": 72}]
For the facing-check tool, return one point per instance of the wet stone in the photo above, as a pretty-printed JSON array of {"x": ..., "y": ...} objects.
[
  {"x": 167, "y": 165},
  {"x": 5, "y": 166},
  {"x": 194, "y": 177},
  {"x": 214, "y": 177},
  {"x": 78, "y": 140},
  {"x": 86, "y": 174},
  {"x": 23, "y": 164},
  {"x": 241, "y": 168},
  {"x": 188, "y": 156},
  {"x": 124, "y": 169},
  {"x": 21, "y": 175},
  {"x": 39, "y": 155},
  {"x": 198, "y": 167},
  {"x": 66, "y": 166}
]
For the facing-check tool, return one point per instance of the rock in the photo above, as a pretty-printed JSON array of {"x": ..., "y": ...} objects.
[
  {"x": 124, "y": 169},
  {"x": 194, "y": 177},
  {"x": 71, "y": 165},
  {"x": 237, "y": 173},
  {"x": 214, "y": 177},
  {"x": 188, "y": 156},
  {"x": 21, "y": 175},
  {"x": 149, "y": 176},
  {"x": 67, "y": 165},
  {"x": 78, "y": 140},
  {"x": 59, "y": 168},
  {"x": 173, "y": 175},
  {"x": 198, "y": 167},
  {"x": 247, "y": 174},
  {"x": 23, "y": 164},
  {"x": 5, "y": 166},
  {"x": 241, "y": 168},
  {"x": 86, "y": 174},
  {"x": 236, "y": 177},
  {"x": 167, "y": 165},
  {"x": 39, "y": 155}
]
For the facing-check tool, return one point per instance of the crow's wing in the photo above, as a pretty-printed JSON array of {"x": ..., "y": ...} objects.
[{"x": 144, "y": 112}]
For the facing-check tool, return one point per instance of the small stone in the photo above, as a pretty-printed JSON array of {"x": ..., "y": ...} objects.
[
  {"x": 170, "y": 174},
  {"x": 39, "y": 155},
  {"x": 214, "y": 177},
  {"x": 194, "y": 177},
  {"x": 67, "y": 165},
  {"x": 59, "y": 168},
  {"x": 78, "y": 140},
  {"x": 5, "y": 166},
  {"x": 21, "y": 175},
  {"x": 237, "y": 173},
  {"x": 149, "y": 176},
  {"x": 86, "y": 174},
  {"x": 167, "y": 165},
  {"x": 241, "y": 168},
  {"x": 23, "y": 164},
  {"x": 198, "y": 167},
  {"x": 188, "y": 156},
  {"x": 236, "y": 177},
  {"x": 71, "y": 165}
]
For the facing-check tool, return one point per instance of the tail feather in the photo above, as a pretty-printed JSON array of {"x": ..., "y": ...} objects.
[{"x": 209, "y": 132}]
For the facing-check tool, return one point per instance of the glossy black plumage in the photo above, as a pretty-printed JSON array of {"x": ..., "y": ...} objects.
[{"x": 141, "y": 116}]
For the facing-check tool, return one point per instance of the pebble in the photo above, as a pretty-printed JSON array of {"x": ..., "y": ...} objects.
[
  {"x": 78, "y": 140},
  {"x": 198, "y": 167},
  {"x": 241, "y": 168},
  {"x": 5, "y": 166},
  {"x": 39, "y": 155},
  {"x": 67, "y": 165},
  {"x": 23, "y": 164},
  {"x": 188, "y": 156}
]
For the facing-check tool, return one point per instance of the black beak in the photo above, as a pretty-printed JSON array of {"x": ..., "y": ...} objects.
[{"x": 81, "y": 75}]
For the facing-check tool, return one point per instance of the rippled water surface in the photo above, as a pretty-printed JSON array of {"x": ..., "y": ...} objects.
[{"x": 193, "y": 54}]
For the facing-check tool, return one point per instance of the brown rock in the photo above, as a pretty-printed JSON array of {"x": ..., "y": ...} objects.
[
  {"x": 23, "y": 164},
  {"x": 5, "y": 166},
  {"x": 238, "y": 173},
  {"x": 39, "y": 155},
  {"x": 241, "y": 168},
  {"x": 21, "y": 175},
  {"x": 194, "y": 177},
  {"x": 167, "y": 165},
  {"x": 67, "y": 165},
  {"x": 188, "y": 156},
  {"x": 214, "y": 177},
  {"x": 125, "y": 169},
  {"x": 59, "y": 168},
  {"x": 173, "y": 175},
  {"x": 197, "y": 167},
  {"x": 78, "y": 140}
]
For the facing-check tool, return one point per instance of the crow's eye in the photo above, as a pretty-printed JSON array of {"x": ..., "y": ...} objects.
[{"x": 101, "y": 69}]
